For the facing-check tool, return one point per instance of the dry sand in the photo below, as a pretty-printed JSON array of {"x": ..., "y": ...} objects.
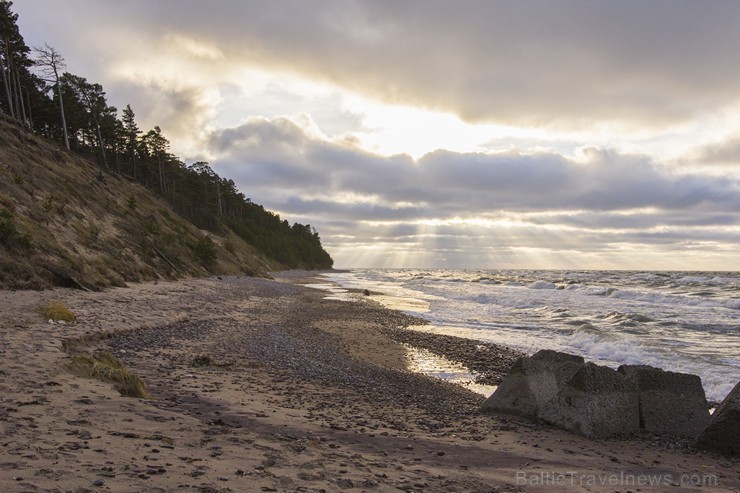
[{"x": 299, "y": 394}]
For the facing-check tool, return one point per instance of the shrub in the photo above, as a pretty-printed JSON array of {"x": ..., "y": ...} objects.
[
  {"x": 48, "y": 205},
  {"x": 8, "y": 230},
  {"x": 205, "y": 251},
  {"x": 9, "y": 234},
  {"x": 149, "y": 224}
]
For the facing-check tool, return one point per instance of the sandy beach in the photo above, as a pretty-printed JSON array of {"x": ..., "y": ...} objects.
[{"x": 264, "y": 385}]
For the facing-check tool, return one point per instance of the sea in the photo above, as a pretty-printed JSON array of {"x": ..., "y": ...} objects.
[{"x": 685, "y": 322}]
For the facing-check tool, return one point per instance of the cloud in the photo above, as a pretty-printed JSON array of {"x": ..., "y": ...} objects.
[
  {"x": 307, "y": 171},
  {"x": 725, "y": 152},
  {"x": 567, "y": 63},
  {"x": 596, "y": 75},
  {"x": 455, "y": 207}
]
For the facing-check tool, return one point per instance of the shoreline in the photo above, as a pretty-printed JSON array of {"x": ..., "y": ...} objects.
[
  {"x": 297, "y": 393},
  {"x": 676, "y": 322}
]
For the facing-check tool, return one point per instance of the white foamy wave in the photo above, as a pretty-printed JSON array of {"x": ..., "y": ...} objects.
[
  {"x": 679, "y": 321},
  {"x": 673, "y": 299},
  {"x": 716, "y": 389},
  {"x": 592, "y": 290},
  {"x": 490, "y": 299},
  {"x": 733, "y": 304},
  {"x": 606, "y": 348},
  {"x": 541, "y": 285}
]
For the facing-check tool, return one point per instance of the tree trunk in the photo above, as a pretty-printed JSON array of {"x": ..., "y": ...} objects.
[
  {"x": 5, "y": 70},
  {"x": 30, "y": 111},
  {"x": 102, "y": 146},
  {"x": 161, "y": 174},
  {"x": 218, "y": 194},
  {"x": 61, "y": 106},
  {"x": 8, "y": 78},
  {"x": 19, "y": 91}
]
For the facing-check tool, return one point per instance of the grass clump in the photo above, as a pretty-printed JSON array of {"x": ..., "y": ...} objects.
[
  {"x": 56, "y": 311},
  {"x": 104, "y": 366}
]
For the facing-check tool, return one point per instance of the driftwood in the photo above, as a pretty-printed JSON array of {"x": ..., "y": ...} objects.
[{"x": 165, "y": 258}]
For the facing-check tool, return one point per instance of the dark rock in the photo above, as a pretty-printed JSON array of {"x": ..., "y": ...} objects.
[
  {"x": 669, "y": 403},
  {"x": 723, "y": 432},
  {"x": 595, "y": 402},
  {"x": 563, "y": 390},
  {"x": 551, "y": 356},
  {"x": 532, "y": 383},
  {"x": 514, "y": 395}
]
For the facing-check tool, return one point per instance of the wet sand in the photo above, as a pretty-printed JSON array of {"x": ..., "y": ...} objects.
[{"x": 258, "y": 385}]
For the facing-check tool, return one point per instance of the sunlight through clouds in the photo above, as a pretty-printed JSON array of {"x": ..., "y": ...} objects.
[{"x": 421, "y": 134}]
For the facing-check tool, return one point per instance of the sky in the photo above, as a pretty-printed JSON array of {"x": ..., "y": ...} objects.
[{"x": 483, "y": 134}]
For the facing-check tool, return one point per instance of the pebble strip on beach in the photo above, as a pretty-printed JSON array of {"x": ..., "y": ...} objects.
[{"x": 291, "y": 348}]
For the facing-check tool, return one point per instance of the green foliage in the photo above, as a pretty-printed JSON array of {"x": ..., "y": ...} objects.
[
  {"x": 149, "y": 224},
  {"x": 205, "y": 251},
  {"x": 94, "y": 130},
  {"x": 104, "y": 366},
  {"x": 7, "y": 226},
  {"x": 9, "y": 234},
  {"x": 49, "y": 204}
]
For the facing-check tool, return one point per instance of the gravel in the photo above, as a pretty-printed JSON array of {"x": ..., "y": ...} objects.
[{"x": 275, "y": 330}]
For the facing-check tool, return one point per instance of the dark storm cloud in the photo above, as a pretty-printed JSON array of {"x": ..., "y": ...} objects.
[
  {"x": 569, "y": 62},
  {"x": 280, "y": 158}
]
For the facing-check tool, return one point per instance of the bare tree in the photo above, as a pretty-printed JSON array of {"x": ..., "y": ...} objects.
[{"x": 51, "y": 63}]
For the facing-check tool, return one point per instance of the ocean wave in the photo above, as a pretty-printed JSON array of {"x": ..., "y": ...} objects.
[
  {"x": 622, "y": 318},
  {"x": 733, "y": 304},
  {"x": 592, "y": 290},
  {"x": 674, "y": 299},
  {"x": 541, "y": 285},
  {"x": 684, "y": 322}
]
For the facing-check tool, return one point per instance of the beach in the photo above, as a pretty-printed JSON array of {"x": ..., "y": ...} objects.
[{"x": 265, "y": 385}]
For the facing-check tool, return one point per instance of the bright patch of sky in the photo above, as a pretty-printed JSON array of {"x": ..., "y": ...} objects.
[{"x": 540, "y": 133}]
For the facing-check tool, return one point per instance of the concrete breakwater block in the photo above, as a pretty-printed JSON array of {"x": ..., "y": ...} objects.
[
  {"x": 670, "y": 403},
  {"x": 599, "y": 402},
  {"x": 723, "y": 432},
  {"x": 565, "y": 391},
  {"x": 596, "y": 402},
  {"x": 532, "y": 383}
]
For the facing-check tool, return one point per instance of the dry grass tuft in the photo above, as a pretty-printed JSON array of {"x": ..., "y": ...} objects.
[
  {"x": 104, "y": 366},
  {"x": 56, "y": 311}
]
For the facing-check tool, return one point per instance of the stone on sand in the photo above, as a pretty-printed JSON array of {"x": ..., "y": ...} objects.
[
  {"x": 670, "y": 403},
  {"x": 563, "y": 390}
]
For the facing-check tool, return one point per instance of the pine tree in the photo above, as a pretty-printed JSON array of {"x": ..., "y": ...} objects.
[
  {"x": 131, "y": 135},
  {"x": 15, "y": 77}
]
